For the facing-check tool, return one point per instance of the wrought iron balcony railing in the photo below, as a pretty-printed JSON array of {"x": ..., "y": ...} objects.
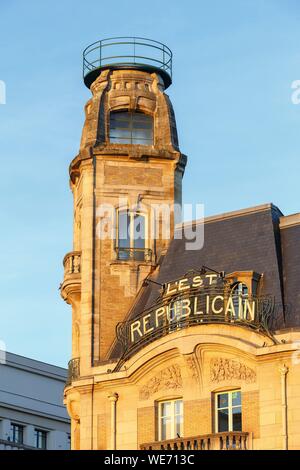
[
  {"x": 73, "y": 370},
  {"x": 217, "y": 441},
  {"x": 10, "y": 445},
  {"x": 134, "y": 254}
]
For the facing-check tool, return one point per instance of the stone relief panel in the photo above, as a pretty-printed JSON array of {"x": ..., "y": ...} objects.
[
  {"x": 167, "y": 379},
  {"x": 227, "y": 369},
  {"x": 192, "y": 366}
]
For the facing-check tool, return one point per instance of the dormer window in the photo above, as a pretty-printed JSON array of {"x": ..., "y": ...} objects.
[
  {"x": 240, "y": 294},
  {"x": 131, "y": 128}
]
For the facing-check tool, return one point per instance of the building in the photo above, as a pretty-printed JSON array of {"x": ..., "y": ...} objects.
[
  {"x": 177, "y": 344},
  {"x": 32, "y": 414}
]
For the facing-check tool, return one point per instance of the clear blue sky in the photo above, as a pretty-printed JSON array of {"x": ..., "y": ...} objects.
[{"x": 234, "y": 63}]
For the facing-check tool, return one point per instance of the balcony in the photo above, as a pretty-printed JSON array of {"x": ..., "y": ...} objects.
[
  {"x": 10, "y": 445},
  {"x": 73, "y": 370},
  {"x": 219, "y": 441},
  {"x": 134, "y": 254},
  {"x": 72, "y": 275}
]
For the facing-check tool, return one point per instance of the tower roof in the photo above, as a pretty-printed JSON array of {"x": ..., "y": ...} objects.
[{"x": 127, "y": 53}]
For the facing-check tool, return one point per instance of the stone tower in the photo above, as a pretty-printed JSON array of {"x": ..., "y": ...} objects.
[{"x": 129, "y": 162}]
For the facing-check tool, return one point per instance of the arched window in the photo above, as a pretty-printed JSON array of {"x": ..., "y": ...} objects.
[
  {"x": 239, "y": 293},
  {"x": 131, "y": 242},
  {"x": 130, "y": 128}
]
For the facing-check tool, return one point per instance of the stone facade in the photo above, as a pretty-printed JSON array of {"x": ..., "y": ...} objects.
[{"x": 113, "y": 404}]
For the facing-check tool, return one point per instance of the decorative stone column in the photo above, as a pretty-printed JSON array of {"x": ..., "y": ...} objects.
[
  {"x": 283, "y": 373},
  {"x": 113, "y": 398}
]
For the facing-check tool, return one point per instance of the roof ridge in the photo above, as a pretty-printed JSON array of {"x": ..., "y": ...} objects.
[{"x": 232, "y": 214}]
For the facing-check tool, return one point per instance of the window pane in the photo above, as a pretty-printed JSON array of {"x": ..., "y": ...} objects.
[
  {"x": 178, "y": 407},
  {"x": 139, "y": 231},
  {"x": 142, "y": 134},
  {"x": 119, "y": 125},
  {"x": 178, "y": 418},
  {"x": 123, "y": 230},
  {"x": 178, "y": 426},
  {"x": 140, "y": 117},
  {"x": 223, "y": 424},
  {"x": 40, "y": 439},
  {"x": 166, "y": 432},
  {"x": 117, "y": 117},
  {"x": 17, "y": 433},
  {"x": 120, "y": 133},
  {"x": 223, "y": 400},
  {"x": 236, "y": 398},
  {"x": 142, "y": 141},
  {"x": 122, "y": 141},
  {"x": 237, "y": 419},
  {"x": 131, "y": 128},
  {"x": 166, "y": 408},
  {"x": 142, "y": 125}
]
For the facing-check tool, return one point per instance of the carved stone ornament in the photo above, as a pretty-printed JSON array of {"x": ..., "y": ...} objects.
[
  {"x": 229, "y": 369},
  {"x": 192, "y": 365},
  {"x": 167, "y": 379}
]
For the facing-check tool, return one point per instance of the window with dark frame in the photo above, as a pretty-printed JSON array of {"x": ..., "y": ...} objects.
[
  {"x": 131, "y": 243},
  {"x": 240, "y": 294},
  {"x": 17, "y": 433},
  {"x": 40, "y": 439},
  {"x": 128, "y": 127},
  {"x": 228, "y": 412}
]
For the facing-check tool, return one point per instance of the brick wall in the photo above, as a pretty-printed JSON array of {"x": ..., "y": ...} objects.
[
  {"x": 197, "y": 417},
  {"x": 250, "y": 413},
  {"x": 146, "y": 420}
]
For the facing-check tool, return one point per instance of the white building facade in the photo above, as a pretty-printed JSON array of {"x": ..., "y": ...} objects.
[{"x": 32, "y": 414}]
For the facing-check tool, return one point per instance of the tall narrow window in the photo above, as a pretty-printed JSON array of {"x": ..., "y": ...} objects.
[
  {"x": 170, "y": 416},
  {"x": 228, "y": 411},
  {"x": 17, "y": 432},
  {"x": 131, "y": 128},
  {"x": 40, "y": 438},
  {"x": 239, "y": 294},
  {"x": 131, "y": 242}
]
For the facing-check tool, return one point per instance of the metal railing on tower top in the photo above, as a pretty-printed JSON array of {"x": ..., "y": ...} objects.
[{"x": 127, "y": 52}]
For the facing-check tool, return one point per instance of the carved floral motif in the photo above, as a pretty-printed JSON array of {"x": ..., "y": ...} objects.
[
  {"x": 228, "y": 369},
  {"x": 192, "y": 365},
  {"x": 167, "y": 379}
]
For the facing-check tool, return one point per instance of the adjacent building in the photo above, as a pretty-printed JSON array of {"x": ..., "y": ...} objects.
[
  {"x": 185, "y": 336},
  {"x": 32, "y": 414}
]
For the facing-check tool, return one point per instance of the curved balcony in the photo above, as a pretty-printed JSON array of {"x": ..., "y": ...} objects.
[
  {"x": 127, "y": 53},
  {"x": 217, "y": 441},
  {"x": 72, "y": 275},
  {"x": 10, "y": 445}
]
